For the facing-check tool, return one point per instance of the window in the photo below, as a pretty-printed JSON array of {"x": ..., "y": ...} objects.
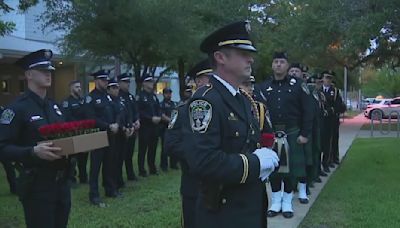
[
  {"x": 160, "y": 86},
  {"x": 395, "y": 101},
  {"x": 4, "y": 86}
]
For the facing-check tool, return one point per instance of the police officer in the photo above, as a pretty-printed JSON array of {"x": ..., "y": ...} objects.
[
  {"x": 166, "y": 106},
  {"x": 334, "y": 107},
  {"x": 42, "y": 184},
  {"x": 118, "y": 140},
  {"x": 73, "y": 110},
  {"x": 150, "y": 116},
  {"x": 133, "y": 122},
  {"x": 9, "y": 169},
  {"x": 99, "y": 107},
  {"x": 296, "y": 71},
  {"x": 291, "y": 119},
  {"x": 173, "y": 144},
  {"x": 220, "y": 142}
]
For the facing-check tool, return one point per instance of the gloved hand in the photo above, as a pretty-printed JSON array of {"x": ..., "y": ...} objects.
[{"x": 268, "y": 161}]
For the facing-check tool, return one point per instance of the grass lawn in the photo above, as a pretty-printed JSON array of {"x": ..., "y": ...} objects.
[
  {"x": 364, "y": 191},
  {"x": 151, "y": 202}
]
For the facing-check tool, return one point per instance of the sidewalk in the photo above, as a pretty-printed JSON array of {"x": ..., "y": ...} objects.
[{"x": 348, "y": 132}]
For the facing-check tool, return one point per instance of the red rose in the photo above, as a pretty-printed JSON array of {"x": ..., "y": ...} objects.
[
  {"x": 267, "y": 140},
  {"x": 44, "y": 131}
]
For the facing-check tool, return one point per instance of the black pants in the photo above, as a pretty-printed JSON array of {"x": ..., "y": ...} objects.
[
  {"x": 276, "y": 183},
  {"x": 48, "y": 204},
  {"x": 188, "y": 211},
  {"x": 326, "y": 136},
  {"x": 119, "y": 151},
  {"x": 173, "y": 162},
  {"x": 10, "y": 172},
  {"x": 98, "y": 158},
  {"x": 148, "y": 139},
  {"x": 335, "y": 140},
  {"x": 81, "y": 163},
  {"x": 129, "y": 150}
]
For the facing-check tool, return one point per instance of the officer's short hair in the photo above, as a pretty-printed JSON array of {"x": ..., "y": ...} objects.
[
  {"x": 74, "y": 82},
  {"x": 213, "y": 62}
]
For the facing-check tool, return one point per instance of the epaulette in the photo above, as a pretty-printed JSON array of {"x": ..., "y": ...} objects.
[{"x": 204, "y": 89}]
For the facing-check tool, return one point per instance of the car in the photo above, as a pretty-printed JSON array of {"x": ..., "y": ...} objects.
[{"x": 384, "y": 108}]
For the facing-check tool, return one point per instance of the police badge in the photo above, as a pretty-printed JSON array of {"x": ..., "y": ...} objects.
[
  {"x": 200, "y": 114},
  {"x": 174, "y": 117}
]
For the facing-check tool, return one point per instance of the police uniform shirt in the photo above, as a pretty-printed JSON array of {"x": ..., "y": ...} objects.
[
  {"x": 19, "y": 124},
  {"x": 130, "y": 102},
  {"x": 290, "y": 104},
  {"x": 98, "y": 107},
  {"x": 166, "y": 108},
  {"x": 148, "y": 106},
  {"x": 334, "y": 101},
  {"x": 119, "y": 111},
  {"x": 73, "y": 108}
]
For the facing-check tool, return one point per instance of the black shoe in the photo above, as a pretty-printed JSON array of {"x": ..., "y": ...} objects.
[
  {"x": 143, "y": 174},
  {"x": 327, "y": 170},
  {"x": 304, "y": 201},
  {"x": 318, "y": 180},
  {"x": 98, "y": 202},
  {"x": 121, "y": 185},
  {"x": 154, "y": 172},
  {"x": 332, "y": 166},
  {"x": 287, "y": 214},
  {"x": 271, "y": 214},
  {"x": 164, "y": 169},
  {"x": 83, "y": 181},
  {"x": 133, "y": 178},
  {"x": 322, "y": 174},
  {"x": 175, "y": 167},
  {"x": 336, "y": 162}
]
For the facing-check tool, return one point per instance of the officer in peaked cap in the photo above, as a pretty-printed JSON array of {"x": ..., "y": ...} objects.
[
  {"x": 150, "y": 117},
  {"x": 296, "y": 70},
  {"x": 133, "y": 123},
  {"x": 220, "y": 141},
  {"x": 200, "y": 73},
  {"x": 99, "y": 107},
  {"x": 291, "y": 118},
  {"x": 42, "y": 185}
]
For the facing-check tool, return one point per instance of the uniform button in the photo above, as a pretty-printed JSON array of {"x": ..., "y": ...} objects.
[
  {"x": 279, "y": 90},
  {"x": 223, "y": 201},
  {"x": 258, "y": 145},
  {"x": 237, "y": 134},
  {"x": 279, "y": 98},
  {"x": 252, "y": 132},
  {"x": 247, "y": 141}
]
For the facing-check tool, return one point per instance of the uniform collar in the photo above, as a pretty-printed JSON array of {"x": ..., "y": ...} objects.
[
  {"x": 282, "y": 80},
  {"x": 36, "y": 98},
  {"x": 228, "y": 86},
  {"x": 325, "y": 87}
]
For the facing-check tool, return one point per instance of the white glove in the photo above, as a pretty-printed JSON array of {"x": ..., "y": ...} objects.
[{"x": 268, "y": 161}]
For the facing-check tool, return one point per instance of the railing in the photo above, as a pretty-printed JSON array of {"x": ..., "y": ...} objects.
[{"x": 377, "y": 115}]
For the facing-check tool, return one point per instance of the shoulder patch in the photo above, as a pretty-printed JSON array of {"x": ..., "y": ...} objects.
[
  {"x": 200, "y": 115},
  {"x": 174, "y": 117},
  {"x": 88, "y": 99},
  {"x": 305, "y": 88},
  {"x": 7, "y": 116},
  {"x": 65, "y": 104}
]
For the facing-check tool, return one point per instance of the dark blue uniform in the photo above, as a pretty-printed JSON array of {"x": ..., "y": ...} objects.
[
  {"x": 148, "y": 106},
  {"x": 166, "y": 109},
  {"x": 42, "y": 185},
  {"x": 9, "y": 169},
  {"x": 73, "y": 109},
  {"x": 133, "y": 116},
  {"x": 218, "y": 145},
  {"x": 173, "y": 144},
  {"x": 99, "y": 107}
]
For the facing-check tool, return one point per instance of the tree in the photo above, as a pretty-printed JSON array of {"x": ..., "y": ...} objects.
[
  {"x": 385, "y": 81},
  {"x": 8, "y": 26}
]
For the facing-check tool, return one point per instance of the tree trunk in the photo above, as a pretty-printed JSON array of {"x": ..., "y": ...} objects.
[{"x": 181, "y": 76}]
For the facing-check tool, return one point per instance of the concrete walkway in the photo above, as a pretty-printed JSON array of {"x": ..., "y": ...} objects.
[{"x": 348, "y": 132}]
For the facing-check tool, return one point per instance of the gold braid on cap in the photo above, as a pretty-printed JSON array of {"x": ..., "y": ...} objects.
[{"x": 253, "y": 104}]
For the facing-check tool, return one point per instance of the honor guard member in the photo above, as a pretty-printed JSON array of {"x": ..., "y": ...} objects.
[
  {"x": 73, "y": 109},
  {"x": 9, "y": 169},
  {"x": 166, "y": 106},
  {"x": 42, "y": 184},
  {"x": 133, "y": 117},
  {"x": 117, "y": 141},
  {"x": 334, "y": 106},
  {"x": 291, "y": 119},
  {"x": 174, "y": 145},
  {"x": 150, "y": 117},
  {"x": 296, "y": 71},
  {"x": 315, "y": 84},
  {"x": 98, "y": 106},
  {"x": 221, "y": 140}
]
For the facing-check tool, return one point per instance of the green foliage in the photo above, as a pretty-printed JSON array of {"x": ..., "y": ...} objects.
[{"x": 385, "y": 81}]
